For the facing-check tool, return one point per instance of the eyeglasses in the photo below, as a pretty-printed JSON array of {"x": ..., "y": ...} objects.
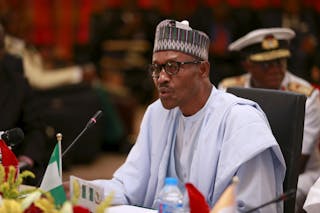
[{"x": 171, "y": 67}]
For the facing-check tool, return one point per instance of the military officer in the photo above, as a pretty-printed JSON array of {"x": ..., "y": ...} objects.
[{"x": 264, "y": 54}]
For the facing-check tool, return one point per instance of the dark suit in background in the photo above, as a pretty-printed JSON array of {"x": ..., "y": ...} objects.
[{"x": 18, "y": 109}]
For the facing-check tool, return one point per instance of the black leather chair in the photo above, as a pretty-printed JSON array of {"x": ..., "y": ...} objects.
[{"x": 285, "y": 112}]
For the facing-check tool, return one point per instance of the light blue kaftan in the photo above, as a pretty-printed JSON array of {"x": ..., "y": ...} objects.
[{"x": 234, "y": 139}]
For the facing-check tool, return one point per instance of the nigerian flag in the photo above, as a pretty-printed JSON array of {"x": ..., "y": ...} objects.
[{"x": 52, "y": 179}]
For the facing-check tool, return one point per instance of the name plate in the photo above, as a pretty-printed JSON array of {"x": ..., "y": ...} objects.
[{"x": 87, "y": 194}]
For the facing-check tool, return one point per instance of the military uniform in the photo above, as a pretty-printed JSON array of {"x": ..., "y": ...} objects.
[
  {"x": 266, "y": 45},
  {"x": 310, "y": 145}
]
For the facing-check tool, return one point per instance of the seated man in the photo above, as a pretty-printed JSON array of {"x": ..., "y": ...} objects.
[
  {"x": 197, "y": 133},
  {"x": 264, "y": 54}
]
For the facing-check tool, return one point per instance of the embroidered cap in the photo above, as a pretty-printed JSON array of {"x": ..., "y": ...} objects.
[
  {"x": 264, "y": 44},
  {"x": 179, "y": 36}
]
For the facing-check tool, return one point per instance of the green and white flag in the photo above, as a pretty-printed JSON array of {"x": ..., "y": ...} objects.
[{"x": 52, "y": 179}]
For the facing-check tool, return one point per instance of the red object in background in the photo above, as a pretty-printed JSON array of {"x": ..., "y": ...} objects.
[
  {"x": 85, "y": 10},
  {"x": 49, "y": 29},
  {"x": 317, "y": 86},
  {"x": 197, "y": 202},
  {"x": 33, "y": 209},
  {"x": 64, "y": 33},
  {"x": 8, "y": 157},
  {"x": 80, "y": 209},
  {"x": 145, "y": 4},
  {"x": 42, "y": 22}
]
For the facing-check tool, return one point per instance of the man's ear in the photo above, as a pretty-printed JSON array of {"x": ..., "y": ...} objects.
[{"x": 205, "y": 68}]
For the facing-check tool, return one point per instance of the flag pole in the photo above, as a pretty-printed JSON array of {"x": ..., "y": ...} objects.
[
  {"x": 227, "y": 201},
  {"x": 59, "y": 139},
  {"x": 52, "y": 178}
]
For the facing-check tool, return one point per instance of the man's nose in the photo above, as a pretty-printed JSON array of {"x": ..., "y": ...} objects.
[{"x": 163, "y": 76}]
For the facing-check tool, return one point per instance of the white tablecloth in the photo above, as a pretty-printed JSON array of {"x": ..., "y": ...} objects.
[{"x": 129, "y": 209}]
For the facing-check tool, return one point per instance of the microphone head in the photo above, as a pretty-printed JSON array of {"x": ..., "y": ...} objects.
[
  {"x": 94, "y": 119},
  {"x": 97, "y": 115},
  {"x": 13, "y": 136}
]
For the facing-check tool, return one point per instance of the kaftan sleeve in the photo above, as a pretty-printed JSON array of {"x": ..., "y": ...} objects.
[
  {"x": 129, "y": 182},
  {"x": 250, "y": 151},
  {"x": 257, "y": 184}
]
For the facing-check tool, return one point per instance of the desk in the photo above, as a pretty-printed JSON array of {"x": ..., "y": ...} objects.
[{"x": 128, "y": 208}]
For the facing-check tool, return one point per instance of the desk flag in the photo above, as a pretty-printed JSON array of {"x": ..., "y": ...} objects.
[
  {"x": 227, "y": 201},
  {"x": 52, "y": 179}
]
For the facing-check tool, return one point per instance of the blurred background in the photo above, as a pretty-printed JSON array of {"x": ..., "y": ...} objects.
[{"x": 111, "y": 42}]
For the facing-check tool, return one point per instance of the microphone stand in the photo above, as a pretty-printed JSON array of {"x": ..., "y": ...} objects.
[
  {"x": 75, "y": 140},
  {"x": 282, "y": 197},
  {"x": 90, "y": 123}
]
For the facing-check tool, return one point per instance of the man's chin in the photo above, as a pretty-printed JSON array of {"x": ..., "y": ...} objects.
[
  {"x": 167, "y": 104},
  {"x": 270, "y": 87},
  {"x": 273, "y": 86}
]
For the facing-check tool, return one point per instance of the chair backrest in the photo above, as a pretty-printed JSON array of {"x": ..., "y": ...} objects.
[{"x": 285, "y": 112}]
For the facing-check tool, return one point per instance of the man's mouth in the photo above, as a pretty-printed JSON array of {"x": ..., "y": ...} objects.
[{"x": 164, "y": 92}]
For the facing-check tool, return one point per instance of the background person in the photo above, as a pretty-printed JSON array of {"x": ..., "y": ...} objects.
[
  {"x": 68, "y": 95},
  {"x": 38, "y": 75},
  {"x": 19, "y": 109},
  {"x": 264, "y": 54}
]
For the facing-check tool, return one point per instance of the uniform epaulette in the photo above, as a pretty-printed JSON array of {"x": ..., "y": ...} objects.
[
  {"x": 299, "y": 88},
  {"x": 233, "y": 82}
]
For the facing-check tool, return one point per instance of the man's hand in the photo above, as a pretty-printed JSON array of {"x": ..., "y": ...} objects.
[
  {"x": 66, "y": 186},
  {"x": 88, "y": 73},
  {"x": 25, "y": 162}
]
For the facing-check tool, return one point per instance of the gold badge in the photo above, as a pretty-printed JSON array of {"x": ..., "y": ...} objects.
[{"x": 270, "y": 42}]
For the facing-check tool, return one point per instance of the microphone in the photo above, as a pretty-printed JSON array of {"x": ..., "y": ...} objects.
[
  {"x": 94, "y": 119},
  {"x": 12, "y": 137},
  {"x": 90, "y": 123},
  {"x": 282, "y": 197}
]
